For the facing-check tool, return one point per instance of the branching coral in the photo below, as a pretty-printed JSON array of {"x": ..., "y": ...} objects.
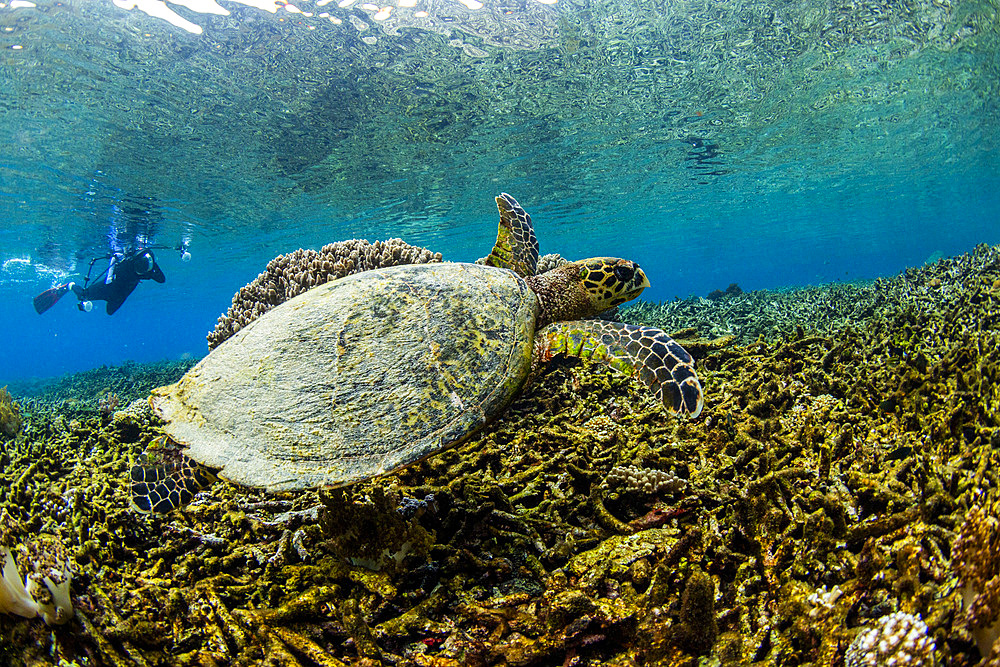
[
  {"x": 45, "y": 590},
  {"x": 810, "y": 509}
]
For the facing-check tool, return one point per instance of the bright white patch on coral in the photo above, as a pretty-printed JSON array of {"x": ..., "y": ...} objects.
[
  {"x": 898, "y": 639},
  {"x": 823, "y": 600},
  {"x": 472, "y": 4},
  {"x": 345, "y": 3},
  {"x": 407, "y": 3},
  {"x": 421, "y": 15},
  {"x": 18, "y": 4},
  {"x": 383, "y": 14}
]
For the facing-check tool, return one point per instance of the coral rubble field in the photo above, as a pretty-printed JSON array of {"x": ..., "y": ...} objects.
[{"x": 836, "y": 503}]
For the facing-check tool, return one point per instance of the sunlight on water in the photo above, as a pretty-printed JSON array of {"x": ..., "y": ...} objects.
[
  {"x": 711, "y": 141},
  {"x": 162, "y": 10}
]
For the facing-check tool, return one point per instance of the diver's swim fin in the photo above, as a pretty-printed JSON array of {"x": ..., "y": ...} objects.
[{"x": 50, "y": 297}]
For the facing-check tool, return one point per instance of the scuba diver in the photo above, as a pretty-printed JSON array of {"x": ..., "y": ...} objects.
[
  {"x": 131, "y": 261},
  {"x": 123, "y": 274}
]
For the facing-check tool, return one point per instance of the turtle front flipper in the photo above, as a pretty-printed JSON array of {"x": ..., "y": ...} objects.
[
  {"x": 516, "y": 247},
  {"x": 656, "y": 358},
  {"x": 163, "y": 479}
]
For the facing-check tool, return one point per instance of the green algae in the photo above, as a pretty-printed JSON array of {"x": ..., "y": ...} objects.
[{"x": 824, "y": 487}]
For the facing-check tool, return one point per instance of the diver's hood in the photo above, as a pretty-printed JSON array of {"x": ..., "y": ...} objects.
[{"x": 146, "y": 267}]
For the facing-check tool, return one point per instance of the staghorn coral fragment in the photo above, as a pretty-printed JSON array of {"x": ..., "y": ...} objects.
[
  {"x": 306, "y": 647},
  {"x": 107, "y": 652}
]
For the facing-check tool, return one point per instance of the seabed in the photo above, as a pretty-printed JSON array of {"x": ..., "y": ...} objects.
[{"x": 809, "y": 517}]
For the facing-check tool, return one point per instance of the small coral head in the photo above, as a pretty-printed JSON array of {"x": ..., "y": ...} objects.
[
  {"x": 49, "y": 578},
  {"x": 45, "y": 590},
  {"x": 610, "y": 281}
]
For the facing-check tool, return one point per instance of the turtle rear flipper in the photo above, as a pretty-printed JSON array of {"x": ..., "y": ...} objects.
[
  {"x": 656, "y": 358},
  {"x": 516, "y": 247},
  {"x": 163, "y": 479}
]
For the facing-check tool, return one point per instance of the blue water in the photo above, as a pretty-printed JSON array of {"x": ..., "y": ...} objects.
[{"x": 766, "y": 144}]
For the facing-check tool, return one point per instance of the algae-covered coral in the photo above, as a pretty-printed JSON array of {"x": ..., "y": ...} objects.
[
  {"x": 816, "y": 504},
  {"x": 10, "y": 415}
]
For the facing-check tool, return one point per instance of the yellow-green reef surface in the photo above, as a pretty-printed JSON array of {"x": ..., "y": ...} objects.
[{"x": 851, "y": 434}]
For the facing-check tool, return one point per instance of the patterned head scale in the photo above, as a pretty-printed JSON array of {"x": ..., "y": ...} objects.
[{"x": 611, "y": 281}]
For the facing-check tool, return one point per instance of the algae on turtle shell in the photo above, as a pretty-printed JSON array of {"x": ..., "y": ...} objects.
[
  {"x": 825, "y": 487},
  {"x": 366, "y": 374}
]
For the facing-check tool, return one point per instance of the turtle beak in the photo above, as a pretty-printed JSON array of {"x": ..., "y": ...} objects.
[
  {"x": 632, "y": 276},
  {"x": 642, "y": 282},
  {"x": 631, "y": 281}
]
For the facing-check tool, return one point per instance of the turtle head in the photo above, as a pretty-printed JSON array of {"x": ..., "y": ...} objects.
[
  {"x": 586, "y": 287},
  {"x": 610, "y": 281}
]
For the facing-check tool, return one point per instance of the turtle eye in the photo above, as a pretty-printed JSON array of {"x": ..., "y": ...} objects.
[{"x": 624, "y": 273}]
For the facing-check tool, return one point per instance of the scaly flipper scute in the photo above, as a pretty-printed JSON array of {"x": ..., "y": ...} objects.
[
  {"x": 163, "y": 479},
  {"x": 650, "y": 354},
  {"x": 516, "y": 247}
]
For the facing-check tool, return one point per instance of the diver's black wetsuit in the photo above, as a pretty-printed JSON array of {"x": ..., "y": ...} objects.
[{"x": 125, "y": 275}]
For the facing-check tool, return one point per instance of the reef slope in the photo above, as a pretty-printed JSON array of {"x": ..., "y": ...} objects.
[{"x": 847, "y": 432}]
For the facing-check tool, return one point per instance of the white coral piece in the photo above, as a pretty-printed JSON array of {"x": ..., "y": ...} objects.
[
  {"x": 48, "y": 581},
  {"x": 14, "y": 599},
  {"x": 45, "y": 590},
  {"x": 897, "y": 640},
  {"x": 822, "y": 600},
  {"x": 645, "y": 480}
]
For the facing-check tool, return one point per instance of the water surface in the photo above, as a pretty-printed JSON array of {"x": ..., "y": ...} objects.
[{"x": 768, "y": 144}]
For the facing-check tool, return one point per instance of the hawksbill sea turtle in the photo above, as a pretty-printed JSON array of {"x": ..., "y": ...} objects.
[{"x": 371, "y": 372}]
